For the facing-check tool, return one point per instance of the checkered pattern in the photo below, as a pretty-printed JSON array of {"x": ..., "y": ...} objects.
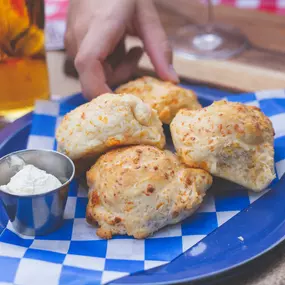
[
  {"x": 272, "y": 6},
  {"x": 74, "y": 254}
]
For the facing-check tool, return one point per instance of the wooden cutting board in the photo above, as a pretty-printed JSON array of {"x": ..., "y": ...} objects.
[{"x": 261, "y": 66}]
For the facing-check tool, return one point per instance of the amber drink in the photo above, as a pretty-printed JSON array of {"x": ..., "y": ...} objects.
[{"x": 23, "y": 69}]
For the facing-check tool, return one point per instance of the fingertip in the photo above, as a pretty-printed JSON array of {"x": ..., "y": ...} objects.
[
  {"x": 168, "y": 73},
  {"x": 92, "y": 94},
  {"x": 164, "y": 66}
]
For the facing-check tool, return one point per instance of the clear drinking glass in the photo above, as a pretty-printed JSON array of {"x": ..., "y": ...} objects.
[{"x": 209, "y": 41}]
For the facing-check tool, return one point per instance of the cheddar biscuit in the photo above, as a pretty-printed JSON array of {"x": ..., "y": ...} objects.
[
  {"x": 108, "y": 121},
  {"x": 230, "y": 140},
  {"x": 140, "y": 189},
  {"x": 165, "y": 97}
]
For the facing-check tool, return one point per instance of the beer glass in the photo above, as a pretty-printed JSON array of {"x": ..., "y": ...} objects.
[{"x": 23, "y": 70}]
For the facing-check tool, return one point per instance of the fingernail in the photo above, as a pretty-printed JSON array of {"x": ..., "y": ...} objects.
[{"x": 173, "y": 74}]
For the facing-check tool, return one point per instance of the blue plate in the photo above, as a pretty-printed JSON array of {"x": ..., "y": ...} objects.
[{"x": 222, "y": 249}]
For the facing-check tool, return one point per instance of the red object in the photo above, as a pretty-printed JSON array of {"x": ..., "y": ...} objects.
[
  {"x": 271, "y": 6},
  {"x": 19, "y": 6},
  {"x": 268, "y": 5}
]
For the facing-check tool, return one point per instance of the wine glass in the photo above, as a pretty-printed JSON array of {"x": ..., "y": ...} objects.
[{"x": 209, "y": 41}]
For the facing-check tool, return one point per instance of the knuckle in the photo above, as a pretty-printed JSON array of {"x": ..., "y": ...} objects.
[
  {"x": 80, "y": 61},
  {"x": 86, "y": 60}
]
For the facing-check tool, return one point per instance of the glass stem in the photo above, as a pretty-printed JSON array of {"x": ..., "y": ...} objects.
[{"x": 210, "y": 16}]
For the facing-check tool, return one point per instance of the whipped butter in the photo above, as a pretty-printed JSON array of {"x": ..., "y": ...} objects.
[{"x": 31, "y": 180}]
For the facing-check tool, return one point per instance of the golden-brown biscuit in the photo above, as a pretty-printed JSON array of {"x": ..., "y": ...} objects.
[
  {"x": 140, "y": 189},
  {"x": 165, "y": 97},
  {"x": 230, "y": 140},
  {"x": 106, "y": 122}
]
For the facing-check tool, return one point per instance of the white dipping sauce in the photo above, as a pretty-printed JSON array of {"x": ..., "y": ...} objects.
[{"x": 31, "y": 180}]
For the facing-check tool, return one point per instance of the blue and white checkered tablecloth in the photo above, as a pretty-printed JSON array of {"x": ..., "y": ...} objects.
[{"x": 75, "y": 255}]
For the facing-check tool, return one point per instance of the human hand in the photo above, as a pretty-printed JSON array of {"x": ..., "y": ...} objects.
[{"x": 95, "y": 35}]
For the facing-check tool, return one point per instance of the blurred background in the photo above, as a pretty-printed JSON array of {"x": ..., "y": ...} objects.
[
  {"x": 250, "y": 52},
  {"x": 236, "y": 45}
]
